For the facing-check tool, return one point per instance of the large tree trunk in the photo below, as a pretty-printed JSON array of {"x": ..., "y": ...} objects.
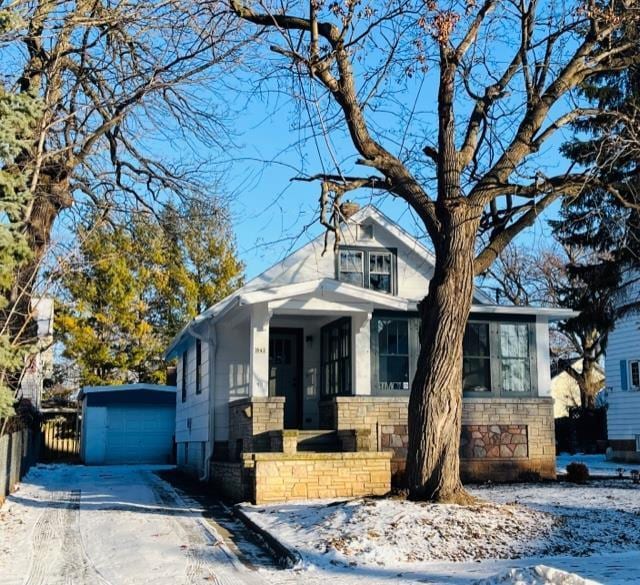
[
  {"x": 52, "y": 195},
  {"x": 590, "y": 383},
  {"x": 435, "y": 406}
]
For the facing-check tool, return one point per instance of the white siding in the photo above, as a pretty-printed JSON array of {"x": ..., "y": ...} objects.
[
  {"x": 623, "y": 415},
  {"x": 196, "y": 407},
  {"x": 413, "y": 269},
  {"x": 624, "y": 344},
  {"x": 231, "y": 373}
]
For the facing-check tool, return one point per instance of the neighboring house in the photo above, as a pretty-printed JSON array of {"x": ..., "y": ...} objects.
[
  {"x": 40, "y": 364},
  {"x": 565, "y": 390},
  {"x": 318, "y": 353},
  {"x": 130, "y": 423},
  {"x": 622, "y": 368}
]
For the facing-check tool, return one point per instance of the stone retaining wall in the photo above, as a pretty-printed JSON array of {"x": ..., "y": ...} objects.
[{"x": 283, "y": 477}]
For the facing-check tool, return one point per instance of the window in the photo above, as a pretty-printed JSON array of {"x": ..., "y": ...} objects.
[
  {"x": 635, "y": 374},
  {"x": 198, "y": 366},
  {"x": 373, "y": 269},
  {"x": 380, "y": 271},
  {"x": 393, "y": 352},
  {"x": 365, "y": 232},
  {"x": 499, "y": 358},
  {"x": 476, "y": 363},
  {"x": 184, "y": 377},
  {"x": 515, "y": 373},
  {"x": 352, "y": 267},
  {"x": 336, "y": 358}
]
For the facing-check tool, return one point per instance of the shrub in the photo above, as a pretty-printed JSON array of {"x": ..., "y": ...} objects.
[
  {"x": 577, "y": 472},
  {"x": 529, "y": 476}
]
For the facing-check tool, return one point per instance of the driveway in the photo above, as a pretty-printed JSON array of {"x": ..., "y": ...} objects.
[{"x": 75, "y": 525}]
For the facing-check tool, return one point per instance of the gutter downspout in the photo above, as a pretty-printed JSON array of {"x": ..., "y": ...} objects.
[{"x": 213, "y": 352}]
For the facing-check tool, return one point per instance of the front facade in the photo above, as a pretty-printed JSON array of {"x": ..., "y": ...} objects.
[
  {"x": 622, "y": 369},
  {"x": 320, "y": 350}
]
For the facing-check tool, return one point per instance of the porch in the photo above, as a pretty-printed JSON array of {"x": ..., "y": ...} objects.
[{"x": 328, "y": 373}]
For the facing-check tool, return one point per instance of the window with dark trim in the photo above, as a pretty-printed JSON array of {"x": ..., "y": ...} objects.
[
  {"x": 184, "y": 376},
  {"x": 394, "y": 343},
  {"x": 351, "y": 267},
  {"x": 373, "y": 268},
  {"x": 634, "y": 366},
  {"x": 499, "y": 358},
  {"x": 335, "y": 358},
  {"x": 476, "y": 361},
  {"x": 198, "y": 366}
]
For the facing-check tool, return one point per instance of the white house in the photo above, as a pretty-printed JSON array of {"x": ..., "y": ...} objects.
[
  {"x": 325, "y": 343},
  {"x": 39, "y": 364},
  {"x": 566, "y": 392},
  {"x": 622, "y": 369}
]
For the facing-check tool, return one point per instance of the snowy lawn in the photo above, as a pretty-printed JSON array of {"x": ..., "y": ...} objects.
[
  {"x": 597, "y": 464},
  {"x": 523, "y": 521}
]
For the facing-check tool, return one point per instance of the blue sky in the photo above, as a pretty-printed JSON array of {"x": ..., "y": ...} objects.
[{"x": 272, "y": 215}]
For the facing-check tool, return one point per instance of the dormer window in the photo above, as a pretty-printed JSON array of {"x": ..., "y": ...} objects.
[{"x": 369, "y": 268}]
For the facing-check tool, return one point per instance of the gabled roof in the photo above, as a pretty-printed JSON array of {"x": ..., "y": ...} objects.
[{"x": 257, "y": 290}]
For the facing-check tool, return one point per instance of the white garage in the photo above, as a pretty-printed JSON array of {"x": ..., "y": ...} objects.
[{"x": 127, "y": 424}]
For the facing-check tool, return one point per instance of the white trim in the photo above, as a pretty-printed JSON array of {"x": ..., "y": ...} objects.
[{"x": 550, "y": 313}]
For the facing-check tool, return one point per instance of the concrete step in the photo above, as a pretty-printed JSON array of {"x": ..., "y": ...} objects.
[{"x": 321, "y": 441}]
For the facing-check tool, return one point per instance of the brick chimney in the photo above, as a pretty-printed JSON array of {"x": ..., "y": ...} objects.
[{"x": 349, "y": 208}]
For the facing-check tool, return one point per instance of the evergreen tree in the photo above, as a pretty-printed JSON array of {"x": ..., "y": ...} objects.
[
  {"x": 18, "y": 112},
  {"x": 133, "y": 287},
  {"x": 604, "y": 223}
]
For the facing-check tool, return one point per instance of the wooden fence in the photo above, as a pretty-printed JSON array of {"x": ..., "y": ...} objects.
[
  {"x": 60, "y": 436},
  {"x": 18, "y": 452}
]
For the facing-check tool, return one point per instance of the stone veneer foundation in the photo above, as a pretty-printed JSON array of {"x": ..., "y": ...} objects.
[
  {"x": 503, "y": 439},
  {"x": 521, "y": 428}
]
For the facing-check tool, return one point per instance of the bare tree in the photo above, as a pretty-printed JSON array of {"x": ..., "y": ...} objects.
[
  {"x": 502, "y": 76},
  {"x": 114, "y": 80}
]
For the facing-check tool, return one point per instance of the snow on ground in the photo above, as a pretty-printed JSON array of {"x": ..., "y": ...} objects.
[
  {"x": 568, "y": 527},
  {"x": 75, "y": 525},
  {"x": 597, "y": 464},
  {"x": 538, "y": 575}
]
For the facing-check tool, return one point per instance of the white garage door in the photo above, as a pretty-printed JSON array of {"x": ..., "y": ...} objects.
[{"x": 139, "y": 434}]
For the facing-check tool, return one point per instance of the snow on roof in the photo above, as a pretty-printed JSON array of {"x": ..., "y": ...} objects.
[{"x": 125, "y": 388}]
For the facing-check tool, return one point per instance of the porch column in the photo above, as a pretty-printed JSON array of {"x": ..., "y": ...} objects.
[
  {"x": 361, "y": 353},
  {"x": 259, "y": 350}
]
